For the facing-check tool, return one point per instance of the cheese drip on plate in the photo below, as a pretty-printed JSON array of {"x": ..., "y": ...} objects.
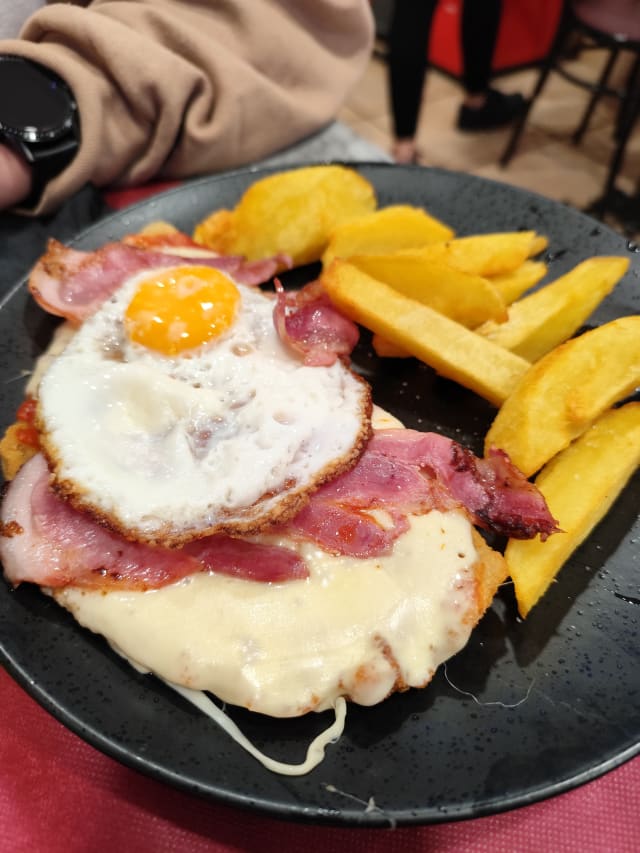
[{"x": 315, "y": 750}]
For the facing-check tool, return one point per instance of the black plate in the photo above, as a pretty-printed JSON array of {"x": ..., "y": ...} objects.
[{"x": 527, "y": 710}]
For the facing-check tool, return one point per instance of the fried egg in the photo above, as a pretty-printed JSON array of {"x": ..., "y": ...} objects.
[{"x": 176, "y": 412}]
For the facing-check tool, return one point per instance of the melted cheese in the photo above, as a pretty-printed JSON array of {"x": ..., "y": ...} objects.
[
  {"x": 315, "y": 750},
  {"x": 355, "y": 627}
]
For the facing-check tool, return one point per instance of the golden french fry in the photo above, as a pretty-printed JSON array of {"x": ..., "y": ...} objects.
[
  {"x": 461, "y": 296},
  {"x": 538, "y": 245},
  {"x": 553, "y": 313},
  {"x": 484, "y": 254},
  {"x": 513, "y": 284},
  {"x": 450, "y": 348},
  {"x": 218, "y": 232},
  {"x": 579, "y": 485},
  {"x": 563, "y": 393},
  {"x": 398, "y": 226},
  {"x": 291, "y": 213}
]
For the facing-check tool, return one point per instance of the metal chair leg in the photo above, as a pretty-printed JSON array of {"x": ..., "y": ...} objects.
[
  {"x": 520, "y": 122},
  {"x": 627, "y": 117},
  {"x": 548, "y": 66},
  {"x": 595, "y": 97},
  {"x": 628, "y": 87}
]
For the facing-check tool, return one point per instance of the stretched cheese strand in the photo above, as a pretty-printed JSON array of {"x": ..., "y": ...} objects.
[{"x": 315, "y": 751}]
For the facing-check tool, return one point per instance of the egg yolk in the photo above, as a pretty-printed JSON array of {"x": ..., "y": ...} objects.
[{"x": 180, "y": 309}]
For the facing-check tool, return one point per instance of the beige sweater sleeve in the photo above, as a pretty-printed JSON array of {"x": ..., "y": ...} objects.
[{"x": 184, "y": 87}]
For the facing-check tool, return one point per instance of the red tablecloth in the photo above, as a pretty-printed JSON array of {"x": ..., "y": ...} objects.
[{"x": 60, "y": 795}]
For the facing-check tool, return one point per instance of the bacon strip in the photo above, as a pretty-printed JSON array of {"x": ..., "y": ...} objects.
[
  {"x": 251, "y": 561},
  {"x": 74, "y": 284},
  {"x": 308, "y": 323},
  {"x": 493, "y": 490},
  {"x": 401, "y": 472},
  {"x": 347, "y": 531},
  {"x": 337, "y": 518},
  {"x": 45, "y": 541},
  {"x": 250, "y": 272},
  {"x": 381, "y": 481},
  {"x": 405, "y": 471}
]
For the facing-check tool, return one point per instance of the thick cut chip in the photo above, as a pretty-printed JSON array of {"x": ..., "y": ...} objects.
[
  {"x": 459, "y": 295},
  {"x": 546, "y": 318},
  {"x": 398, "y": 226},
  {"x": 579, "y": 485},
  {"x": 485, "y": 254},
  {"x": 513, "y": 284},
  {"x": 563, "y": 393},
  {"x": 289, "y": 213},
  {"x": 451, "y": 349},
  {"x": 218, "y": 232}
]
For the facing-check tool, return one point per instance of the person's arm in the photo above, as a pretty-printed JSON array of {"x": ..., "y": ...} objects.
[{"x": 181, "y": 88}]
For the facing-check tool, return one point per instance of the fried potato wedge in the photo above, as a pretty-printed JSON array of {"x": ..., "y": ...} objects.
[
  {"x": 451, "y": 349},
  {"x": 291, "y": 213},
  {"x": 510, "y": 285},
  {"x": 461, "y": 296},
  {"x": 218, "y": 232},
  {"x": 485, "y": 254},
  {"x": 563, "y": 393},
  {"x": 388, "y": 229},
  {"x": 513, "y": 284},
  {"x": 553, "y": 313},
  {"x": 579, "y": 485}
]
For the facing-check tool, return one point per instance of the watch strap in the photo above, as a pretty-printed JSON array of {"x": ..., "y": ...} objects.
[
  {"x": 51, "y": 152},
  {"x": 47, "y": 162}
]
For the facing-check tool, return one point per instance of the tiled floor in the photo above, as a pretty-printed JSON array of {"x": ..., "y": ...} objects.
[{"x": 546, "y": 161}]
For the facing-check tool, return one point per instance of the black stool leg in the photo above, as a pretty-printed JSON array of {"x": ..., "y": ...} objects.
[
  {"x": 621, "y": 110},
  {"x": 595, "y": 97},
  {"x": 627, "y": 117},
  {"x": 547, "y": 66}
]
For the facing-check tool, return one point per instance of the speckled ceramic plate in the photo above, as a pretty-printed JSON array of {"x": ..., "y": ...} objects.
[{"x": 527, "y": 710}]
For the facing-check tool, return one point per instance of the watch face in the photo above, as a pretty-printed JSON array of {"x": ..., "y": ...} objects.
[{"x": 35, "y": 104}]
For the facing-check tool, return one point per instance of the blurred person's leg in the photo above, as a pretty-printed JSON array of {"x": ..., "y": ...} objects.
[
  {"x": 483, "y": 108},
  {"x": 479, "y": 34},
  {"x": 408, "y": 40}
]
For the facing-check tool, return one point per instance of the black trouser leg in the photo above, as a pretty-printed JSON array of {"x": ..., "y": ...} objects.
[
  {"x": 479, "y": 33},
  {"x": 408, "y": 40}
]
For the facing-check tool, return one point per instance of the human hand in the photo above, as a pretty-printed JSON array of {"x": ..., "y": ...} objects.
[{"x": 15, "y": 178}]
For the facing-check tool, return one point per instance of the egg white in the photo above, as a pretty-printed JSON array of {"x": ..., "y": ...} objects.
[{"x": 223, "y": 438}]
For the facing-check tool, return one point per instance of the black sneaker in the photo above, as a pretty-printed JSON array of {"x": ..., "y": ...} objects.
[{"x": 498, "y": 110}]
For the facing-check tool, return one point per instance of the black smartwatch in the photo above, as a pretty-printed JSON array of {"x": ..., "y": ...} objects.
[{"x": 38, "y": 119}]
